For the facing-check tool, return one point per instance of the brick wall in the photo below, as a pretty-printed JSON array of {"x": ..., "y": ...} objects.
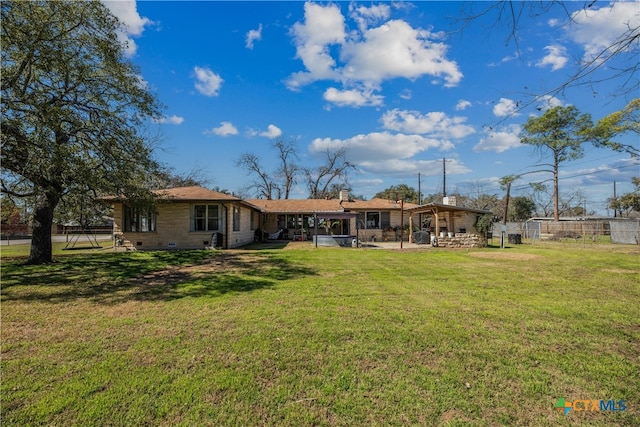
[{"x": 173, "y": 228}]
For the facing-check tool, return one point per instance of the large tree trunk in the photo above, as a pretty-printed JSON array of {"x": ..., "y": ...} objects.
[
  {"x": 41, "y": 250},
  {"x": 556, "y": 196}
]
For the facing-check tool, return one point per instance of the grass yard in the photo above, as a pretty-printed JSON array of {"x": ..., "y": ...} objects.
[{"x": 302, "y": 336}]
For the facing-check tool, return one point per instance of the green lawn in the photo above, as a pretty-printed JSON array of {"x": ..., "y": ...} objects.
[{"x": 302, "y": 336}]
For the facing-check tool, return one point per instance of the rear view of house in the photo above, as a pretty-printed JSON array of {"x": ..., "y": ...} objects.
[{"x": 186, "y": 218}]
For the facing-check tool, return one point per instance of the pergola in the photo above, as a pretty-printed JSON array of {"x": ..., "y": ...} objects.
[{"x": 437, "y": 210}]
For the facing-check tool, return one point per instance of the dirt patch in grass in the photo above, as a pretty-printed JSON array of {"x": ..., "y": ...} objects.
[
  {"x": 229, "y": 263},
  {"x": 453, "y": 415},
  {"x": 505, "y": 255}
]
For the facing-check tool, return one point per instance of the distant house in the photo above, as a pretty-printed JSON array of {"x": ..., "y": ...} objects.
[
  {"x": 186, "y": 218},
  {"x": 300, "y": 219}
]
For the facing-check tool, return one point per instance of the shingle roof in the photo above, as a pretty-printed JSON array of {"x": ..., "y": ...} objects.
[
  {"x": 199, "y": 194},
  {"x": 375, "y": 204},
  {"x": 432, "y": 207},
  {"x": 297, "y": 205},
  {"x": 193, "y": 193},
  {"x": 323, "y": 205},
  {"x": 184, "y": 194}
]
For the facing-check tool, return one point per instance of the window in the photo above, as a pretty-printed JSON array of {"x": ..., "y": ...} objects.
[
  {"x": 205, "y": 218},
  {"x": 236, "y": 218},
  {"x": 385, "y": 220},
  {"x": 373, "y": 220},
  {"x": 139, "y": 220}
]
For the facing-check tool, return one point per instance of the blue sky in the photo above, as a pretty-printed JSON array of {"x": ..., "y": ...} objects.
[{"x": 399, "y": 85}]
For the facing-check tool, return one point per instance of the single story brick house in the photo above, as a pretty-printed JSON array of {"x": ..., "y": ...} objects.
[
  {"x": 295, "y": 219},
  {"x": 195, "y": 217},
  {"x": 186, "y": 218}
]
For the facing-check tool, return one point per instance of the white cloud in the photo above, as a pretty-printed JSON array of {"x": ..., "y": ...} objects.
[
  {"x": 621, "y": 170},
  {"x": 396, "y": 49},
  {"x": 368, "y": 182},
  {"x": 556, "y": 57},
  {"x": 173, "y": 120},
  {"x": 141, "y": 82},
  {"x": 386, "y": 153},
  {"x": 379, "y": 146},
  {"x": 463, "y": 104},
  {"x": 365, "y": 57},
  {"x": 225, "y": 129},
  {"x": 435, "y": 124},
  {"x": 272, "y": 131},
  {"x": 406, "y": 94},
  {"x": 500, "y": 140},
  {"x": 505, "y": 60},
  {"x": 506, "y": 107},
  {"x": 134, "y": 24},
  {"x": 252, "y": 36},
  {"x": 366, "y": 16},
  {"x": 597, "y": 29},
  {"x": 208, "y": 83},
  {"x": 324, "y": 26},
  {"x": 548, "y": 101},
  {"x": 402, "y": 167},
  {"x": 352, "y": 97}
]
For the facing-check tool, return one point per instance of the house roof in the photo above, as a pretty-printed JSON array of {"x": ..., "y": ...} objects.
[
  {"x": 438, "y": 207},
  {"x": 298, "y": 206},
  {"x": 285, "y": 206},
  {"x": 194, "y": 193}
]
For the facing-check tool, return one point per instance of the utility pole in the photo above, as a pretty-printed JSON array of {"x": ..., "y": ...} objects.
[
  {"x": 444, "y": 177},
  {"x": 615, "y": 199},
  {"x": 419, "y": 191}
]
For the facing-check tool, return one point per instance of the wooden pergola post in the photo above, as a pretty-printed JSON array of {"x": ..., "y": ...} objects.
[{"x": 411, "y": 226}]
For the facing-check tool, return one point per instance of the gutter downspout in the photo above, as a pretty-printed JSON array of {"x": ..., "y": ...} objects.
[{"x": 226, "y": 225}]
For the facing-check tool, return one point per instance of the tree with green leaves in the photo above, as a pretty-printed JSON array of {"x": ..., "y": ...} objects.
[
  {"x": 628, "y": 202},
  {"x": 561, "y": 131},
  {"x": 73, "y": 110},
  {"x": 397, "y": 192},
  {"x": 10, "y": 212},
  {"x": 521, "y": 208},
  {"x": 617, "y": 123}
]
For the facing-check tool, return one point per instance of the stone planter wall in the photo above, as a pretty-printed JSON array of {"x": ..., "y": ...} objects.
[{"x": 462, "y": 240}]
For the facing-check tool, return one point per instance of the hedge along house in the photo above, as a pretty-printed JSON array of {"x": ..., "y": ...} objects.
[
  {"x": 186, "y": 218},
  {"x": 291, "y": 219}
]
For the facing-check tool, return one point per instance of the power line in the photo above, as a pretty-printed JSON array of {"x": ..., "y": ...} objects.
[{"x": 523, "y": 186}]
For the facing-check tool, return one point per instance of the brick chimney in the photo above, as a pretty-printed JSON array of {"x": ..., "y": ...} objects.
[
  {"x": 344, "y": 195},
  {"x": 449, "y": 200}
]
